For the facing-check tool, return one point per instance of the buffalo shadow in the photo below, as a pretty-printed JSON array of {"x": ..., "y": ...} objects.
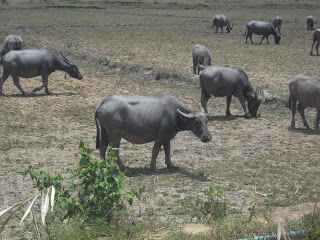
[
  {"x": 39, "y": 95},
  {"x": 305, "y": 131},
  {"x": 134, "y": 172}
]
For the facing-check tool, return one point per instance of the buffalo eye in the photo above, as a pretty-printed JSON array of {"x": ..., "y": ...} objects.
[{"x": 197, "y": 121}]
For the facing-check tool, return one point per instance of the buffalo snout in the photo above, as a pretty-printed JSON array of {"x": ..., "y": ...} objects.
[
  {"x": 206, "y": 138},
  {"x": 79, "y": 77}
]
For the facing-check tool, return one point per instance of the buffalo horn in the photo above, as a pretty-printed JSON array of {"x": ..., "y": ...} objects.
[
  {"x": 66, "y": 60},
  {"x": 189, "y": 115},
  {"x": 204, "y": 111}
]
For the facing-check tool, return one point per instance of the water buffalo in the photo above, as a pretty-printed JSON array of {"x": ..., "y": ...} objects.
[
  {"x": 32, "y": 63},
  {"x": 220, "y": 21},
  {"x": 261, "y": 28},
  {"x": 277, "y": 22},
  {"x": 310, "y": 23},
  {"x": 306, "y": 91},
  {"x": 200, "y": 56},
  {"x": 224, "y": 81},
  {"x": 143, "y": 119},
  {"x": 316, "y": 38},
  {"x": 11, "y": 42}
]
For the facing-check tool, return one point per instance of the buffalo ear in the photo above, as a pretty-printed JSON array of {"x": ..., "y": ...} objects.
[{"x": 186, "y": 115}]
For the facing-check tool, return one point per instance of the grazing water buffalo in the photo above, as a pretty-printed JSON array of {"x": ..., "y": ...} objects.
[
  {"x": 261, "y": 28},
  {"x": 306, "y": 91},
  {"x": 316, "y": 38},
  {"x": 200, "y": 56},
  {"x": 32, "y": 63},
  {"x": 310, "y": 23},
  {"x": 276, "y": 22},
  {"x": 224, "y": 81},
  {"x": 11, "y": 42},
  {"x": 220, "y": 21},
  {"x": 143, "y": 119}
]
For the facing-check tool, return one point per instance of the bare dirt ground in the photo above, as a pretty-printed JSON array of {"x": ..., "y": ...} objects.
[{"x": 282, "y": 166}]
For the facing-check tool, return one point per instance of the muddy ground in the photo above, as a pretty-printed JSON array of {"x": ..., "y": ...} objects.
[{"x": 145, "y": 47}]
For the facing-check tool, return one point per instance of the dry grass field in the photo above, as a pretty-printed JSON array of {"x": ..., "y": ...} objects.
[{"x": 149, "y": 45}]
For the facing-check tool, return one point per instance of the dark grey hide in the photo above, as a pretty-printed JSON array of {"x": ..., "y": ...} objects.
[
  {"x": 32, "y": 63},
  {"x": 261, "y": 28},
  {"x": 142, "y": 119},
  {"x": 310, "y": 23},
  {"x": 316, "y": 38},
  {"x": 200, "y": 56},
  {"x": 11, "y": 42},
  {"x": 228, "y": 82},
  {"x": 220, "y": 21},
  {"x": 277, "y": 22},
  {"x": 306, "y": 91}
]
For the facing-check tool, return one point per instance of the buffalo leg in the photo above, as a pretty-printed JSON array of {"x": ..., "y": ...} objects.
[
  {"x": 204, "y": 100},
  {"x": 228, "y": 105},
  {"x": 249, "y": 34},
  {"x": 221, "y": 29},
  {"x": 242, "y": 100},
  {"x": 17, "y": 83},
  {"x": 316, "y": 125},
  {"x": 115, "y": 143},
  {"x": 317, "y": 47},
  {"x": 293, "y": 110},
  {"x": 311, "y": 52},
  {"x": 301, "y": 111},
  {"x": 168, "y": 162},
  {"x": 155, "y": 152},
  {"x": 104, "y": 142},
  {"x": 216, "y": 29},
  {"x": 262, "y": 39},
  {"x": 4, "y": 77},
  {"x": 194, "y": 69}
]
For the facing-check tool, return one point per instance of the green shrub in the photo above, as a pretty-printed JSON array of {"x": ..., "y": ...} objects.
[
  {"x": 95, "y": 194},
  {"x": 214, "y": 207}
]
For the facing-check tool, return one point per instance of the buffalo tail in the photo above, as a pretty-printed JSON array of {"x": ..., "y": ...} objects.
[
  {"x": 289, "y": 103},
  {"x": 98, "y": 131}
]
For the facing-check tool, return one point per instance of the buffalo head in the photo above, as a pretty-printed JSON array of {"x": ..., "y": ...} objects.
[
  {"x": 197, "y": 123},
  {"x": 254, "y": 101},
  {"x": 229, "y": 28},
  {"x": 72, "y": 69},
  {"x": 277, "y": 39}
]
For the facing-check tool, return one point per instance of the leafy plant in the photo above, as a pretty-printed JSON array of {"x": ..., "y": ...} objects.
[
  {"x": 106, "y": 59},
  {"x": 214, "y": 207},
  {"x": 99, "y": 189},
  {"x": 69, "y": 44},
  {"x": 96, "y": 190}
]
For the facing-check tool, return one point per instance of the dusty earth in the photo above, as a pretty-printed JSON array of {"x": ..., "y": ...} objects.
[{"x": 149, "y": 52}]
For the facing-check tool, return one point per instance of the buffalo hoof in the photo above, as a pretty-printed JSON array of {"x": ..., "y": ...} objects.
[
  {"x": 172, "y": 166},
  {"x": 247, "y": 115},
  {"x": 291, "y": 128},
  {"x": 49, "y": 93}
]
